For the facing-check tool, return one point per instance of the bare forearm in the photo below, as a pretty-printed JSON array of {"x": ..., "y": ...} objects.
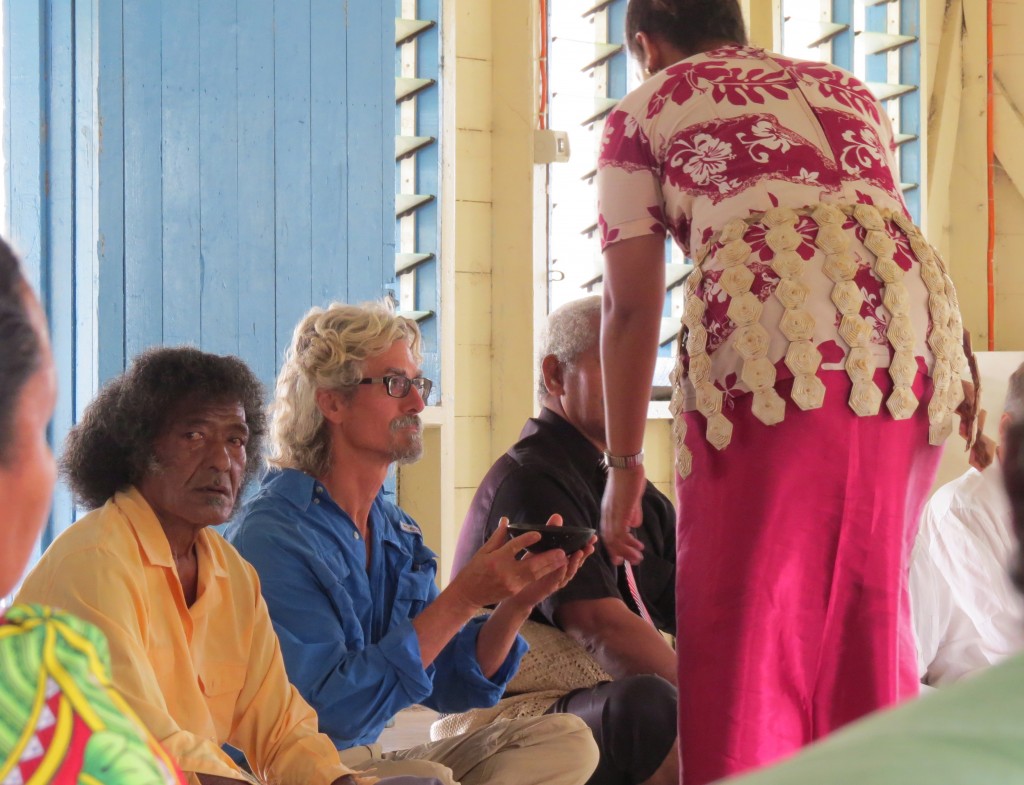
[
  {"x": 621, "y": 642},
  {"x": 629, "y": 349},
  {"x": 646, "y": 652},
  {"x": 631, "y": 320},
  {"x": 493, "y": 577},
  {"x": 439, "y": 623},
  {"x": 497, "y": 635}
]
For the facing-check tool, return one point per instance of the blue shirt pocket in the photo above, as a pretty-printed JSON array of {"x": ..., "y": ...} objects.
[{"x": 415, "y": 588}]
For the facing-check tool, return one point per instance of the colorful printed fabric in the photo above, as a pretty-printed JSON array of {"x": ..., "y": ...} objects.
[
  {"x": 61, "y": 721},
  {"x": 778, "y": 178},
  {"x": 736, "y": 130}
]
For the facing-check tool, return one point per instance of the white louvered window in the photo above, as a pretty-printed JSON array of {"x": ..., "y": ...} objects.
[
  {"x": 589, "y": 71},
  {"x": 417, "y": 170}
]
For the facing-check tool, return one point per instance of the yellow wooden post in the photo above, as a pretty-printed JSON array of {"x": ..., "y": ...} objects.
[
  {"x": 764, "y": 22},
  {"x": 518, "y": 285}
]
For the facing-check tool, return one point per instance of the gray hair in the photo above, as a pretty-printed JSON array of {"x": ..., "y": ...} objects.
[
  {"x": 328, "y": 350},
  {"x": 1014, "y": 405},
  {"x": 568, "y": 333}
]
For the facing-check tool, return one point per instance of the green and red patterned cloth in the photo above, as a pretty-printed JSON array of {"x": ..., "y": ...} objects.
[{"x": 61, "y": 720}]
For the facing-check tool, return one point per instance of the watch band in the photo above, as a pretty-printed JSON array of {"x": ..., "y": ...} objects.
[{"x": 623, "y": 461}]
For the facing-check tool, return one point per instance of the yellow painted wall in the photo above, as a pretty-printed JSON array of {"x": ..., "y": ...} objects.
[
  {"x": 763, "y": 21},
  {"x": 659, "y": 459},
  {"x": 436, "y": 491},
  {"x": 518, "y": 285},
  {"x": 422, "y": 486},
  {"x": 472, "y": 261}
]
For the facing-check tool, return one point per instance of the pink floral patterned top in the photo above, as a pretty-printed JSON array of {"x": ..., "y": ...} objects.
[{"x": 778, "y": 178}]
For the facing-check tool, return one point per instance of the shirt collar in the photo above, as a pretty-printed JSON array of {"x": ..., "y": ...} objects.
[
  {"x": 150, "y": 534},
  {"x": 300, "y": 489},
  {"x": 292, "y": 485},
  {"x": 577, "y": 447}
]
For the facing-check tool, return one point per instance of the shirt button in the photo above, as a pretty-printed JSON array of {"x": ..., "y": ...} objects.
[
  {"x": 355, "y": 535},
  {"x": 316, "y": 501},
  {"x": 319, "y": 489}
]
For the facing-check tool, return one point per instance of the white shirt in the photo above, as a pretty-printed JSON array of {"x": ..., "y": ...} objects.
[{"x": 967, "y": 613}]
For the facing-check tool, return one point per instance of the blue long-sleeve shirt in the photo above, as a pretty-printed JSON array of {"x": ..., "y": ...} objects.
[{"x": 346, "y": 631}]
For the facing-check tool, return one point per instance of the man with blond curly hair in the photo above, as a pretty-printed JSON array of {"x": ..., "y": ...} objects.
[{"x": 350, "y": 583}]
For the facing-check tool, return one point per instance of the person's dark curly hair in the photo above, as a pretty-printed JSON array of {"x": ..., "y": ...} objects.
[
  {"x": 112, "y": 446},
  {"x": 686, "y": 24},
  {"x": 1013, "y": 477},
  {"x": 20, "y": 347}
]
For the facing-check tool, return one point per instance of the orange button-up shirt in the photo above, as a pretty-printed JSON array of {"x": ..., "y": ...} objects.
[{"x": 198, "y": 677}]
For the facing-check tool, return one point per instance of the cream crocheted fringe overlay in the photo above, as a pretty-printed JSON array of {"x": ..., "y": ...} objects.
[{"x": 797, "y": 325}]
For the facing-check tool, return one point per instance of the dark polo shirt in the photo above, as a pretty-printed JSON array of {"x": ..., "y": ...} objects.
[{"x": 553, "y": 468}]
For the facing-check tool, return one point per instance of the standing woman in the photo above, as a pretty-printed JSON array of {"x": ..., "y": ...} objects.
[{"x": 819, "y": 368}]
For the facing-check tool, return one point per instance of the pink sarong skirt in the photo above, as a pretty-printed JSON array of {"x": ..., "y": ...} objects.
[{"x": 793, "y": 553}]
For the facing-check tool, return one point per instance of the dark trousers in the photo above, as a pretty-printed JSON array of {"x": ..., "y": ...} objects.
[{"x": 634, "y": 725}]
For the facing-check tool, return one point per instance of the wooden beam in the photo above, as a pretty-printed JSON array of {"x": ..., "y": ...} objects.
[
  {"x": 968, "y": 188},
  {"x": 943, "y": 125},
  {"x": 1009, "y": 141}
]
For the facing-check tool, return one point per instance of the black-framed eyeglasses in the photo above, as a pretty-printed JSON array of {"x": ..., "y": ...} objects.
[{"x": 399, "y": 386}]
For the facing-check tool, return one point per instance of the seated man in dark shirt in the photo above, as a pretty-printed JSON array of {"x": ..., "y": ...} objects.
[{"x": 556, "y": 466}]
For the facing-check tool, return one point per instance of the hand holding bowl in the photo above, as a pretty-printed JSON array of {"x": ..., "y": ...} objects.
[{"x": 569, "y": 538}]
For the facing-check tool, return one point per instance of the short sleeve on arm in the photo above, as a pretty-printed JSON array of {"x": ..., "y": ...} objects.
[
  {"x": 630, "y": 200},
  {"x": 532, "y": 495},
  {"x": 596, "y": 580}
]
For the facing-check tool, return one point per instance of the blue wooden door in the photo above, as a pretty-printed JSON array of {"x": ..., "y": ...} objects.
[
  {"x": 249, "y": 174},
  {"x": 196, "y": 171}
]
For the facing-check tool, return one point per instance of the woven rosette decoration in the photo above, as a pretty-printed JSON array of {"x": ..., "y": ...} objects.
[{"x": 826, "y": 233}]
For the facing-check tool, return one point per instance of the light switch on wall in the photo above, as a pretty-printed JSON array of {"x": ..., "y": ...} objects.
[{"x": 550, "y": 147}]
